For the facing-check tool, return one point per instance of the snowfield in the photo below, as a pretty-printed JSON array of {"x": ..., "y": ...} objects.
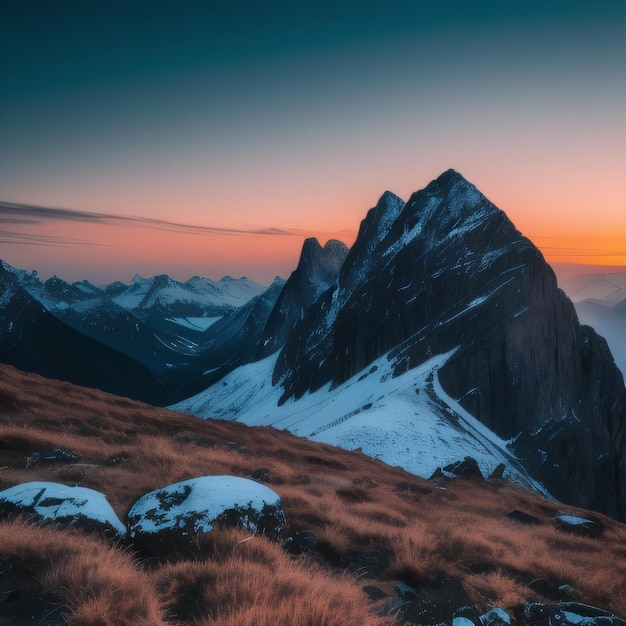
[{"x": 407, "y": 421}]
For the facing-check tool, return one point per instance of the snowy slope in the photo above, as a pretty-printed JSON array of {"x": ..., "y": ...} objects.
[{"x": 407, "y": 421}]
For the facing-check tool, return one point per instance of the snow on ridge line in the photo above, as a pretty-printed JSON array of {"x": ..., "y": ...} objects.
[{"x": 488, "y": 435}]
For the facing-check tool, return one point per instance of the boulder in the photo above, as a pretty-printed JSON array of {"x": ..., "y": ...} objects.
[
  {"x": 523, "y": 518},
  {"x": 469, "y": 616},
  {"x": 300, "y": 542},
  {"x": 72, "y": 506},
  {"x": 179, "y": 512},
  {"x": 57, "y": 455},
  {"x": 568, "y": 614},
  {"x": 579, "y": 525},
  {"x": 467, "y": 468}
]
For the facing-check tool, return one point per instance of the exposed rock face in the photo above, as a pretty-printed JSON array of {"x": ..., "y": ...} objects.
[
  {"x": 317, "y": 271},
  {"x": 449, "y": 271}
]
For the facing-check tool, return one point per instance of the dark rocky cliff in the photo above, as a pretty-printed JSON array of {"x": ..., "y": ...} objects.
[
  {"x": 317, "y": 271},
  {"x": 449, "y": 272}
]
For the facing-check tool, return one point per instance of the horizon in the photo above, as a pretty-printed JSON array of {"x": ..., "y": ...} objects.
[{"x": 212, "y": 140}]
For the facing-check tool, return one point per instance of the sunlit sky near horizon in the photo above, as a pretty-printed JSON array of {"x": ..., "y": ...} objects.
[{"x": 211, "y": 138}]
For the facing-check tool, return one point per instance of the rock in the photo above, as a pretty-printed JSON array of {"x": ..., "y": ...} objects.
[
  {"x": 469, "y": 616},
  {"x": 523, "y": 518},
  {"x": 300, "y": 542},
  {"x": 568, "y": 614},
  {"x": 495, "y": 617},
  {"x": 261, "y": 475},
  {"x": 498, "y": 472},
  {"x": 374, "y": 593},
  {"x": 466, "y": 616},
  {"x": 580, "y": 525},
  {"x": 181, "y": 511},
  {"x": 73, "y": 506},
  {"x": 436, "y": 475},
  {"x": 467, "y": 468},
  {"x": 57, "y": 455}
]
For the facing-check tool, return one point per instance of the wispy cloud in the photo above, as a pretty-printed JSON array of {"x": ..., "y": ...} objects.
[
  {"x": 13, "y": 213},
  {"x": 41, "y": 240}
]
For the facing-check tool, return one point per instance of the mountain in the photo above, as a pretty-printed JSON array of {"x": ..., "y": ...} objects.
[
  {"x": 198, "y": 297},
  {"x": 317, "y": 271},
  {"x": 34, "y": 340},
  {"x": 608, "y": 289},
  {"x": 447, "y": 276},
  {"x": 162, "y": 324},
  {"x": 228, "y": 343},
  {"x": 600, "y": 301}
]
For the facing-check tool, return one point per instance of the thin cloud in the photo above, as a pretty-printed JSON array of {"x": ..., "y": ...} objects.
[
  {"x": 41, "y": 240},
  {"x": 582, "y": 252},
  {"x": 31, "y": 214}
]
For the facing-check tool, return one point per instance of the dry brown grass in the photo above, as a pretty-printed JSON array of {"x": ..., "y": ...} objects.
[
  {"x": 375, "y": 525},
  {"x": 252, "y": 581},
  {"x": 91, "y": 581}
]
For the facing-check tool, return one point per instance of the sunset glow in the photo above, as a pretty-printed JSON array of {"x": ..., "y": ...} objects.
[{"x": 222, "y": 142}]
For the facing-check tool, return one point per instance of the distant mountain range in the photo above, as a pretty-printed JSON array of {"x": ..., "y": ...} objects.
[
  {"x": 600, "y": 301},
  {"x": 440, "y": 334},
  {"x": 169, "y": 338}
]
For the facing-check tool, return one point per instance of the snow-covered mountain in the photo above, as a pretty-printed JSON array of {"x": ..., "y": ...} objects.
[
  {"x": 446, "y": 285},
  {"x": 35, "y": 340},
  {"x": 163, "y": 324},
  {"x": 196, "y": 298}
]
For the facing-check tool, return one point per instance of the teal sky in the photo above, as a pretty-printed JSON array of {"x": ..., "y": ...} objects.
[{"x": 251, "y": 116}]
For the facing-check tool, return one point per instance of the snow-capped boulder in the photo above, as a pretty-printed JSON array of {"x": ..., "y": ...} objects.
[
  {"x": 580, "y": 525},
  {"x": 183, "y": 510},
  {"x": 568, "y": 614},
  {"x": 72, "y": 506}
]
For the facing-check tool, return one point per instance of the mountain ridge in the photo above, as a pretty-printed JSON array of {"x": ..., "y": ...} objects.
[{"x": 449, "y": 271}]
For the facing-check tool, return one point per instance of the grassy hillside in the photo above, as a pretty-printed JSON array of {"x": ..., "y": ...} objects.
[{"x": 451, "y": 541}]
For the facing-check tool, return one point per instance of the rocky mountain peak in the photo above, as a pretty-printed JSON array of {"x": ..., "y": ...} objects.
[
  {"x": 450, "y": 273},
  {"x": 317, "y": 272}
]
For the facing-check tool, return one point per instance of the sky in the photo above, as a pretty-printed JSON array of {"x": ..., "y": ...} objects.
[{"x": 211, "y": 138}]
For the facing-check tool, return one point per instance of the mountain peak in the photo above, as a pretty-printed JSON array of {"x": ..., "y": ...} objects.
[{"x": 317, "y": 272}]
